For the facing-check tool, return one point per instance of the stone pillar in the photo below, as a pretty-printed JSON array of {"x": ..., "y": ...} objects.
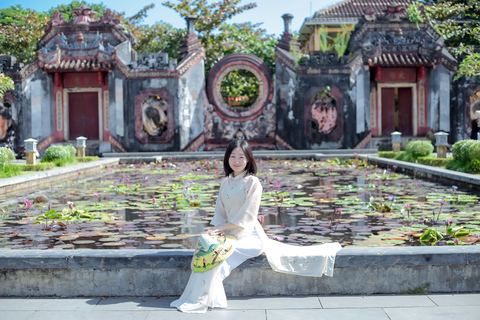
[
  {"x": 287, "y": 42},
  {"x": 81, "y": 145},
  {"x": 441, "y": 143},
  {"x": 396, "y": 141},
  {"x": 31, "y": 150}
]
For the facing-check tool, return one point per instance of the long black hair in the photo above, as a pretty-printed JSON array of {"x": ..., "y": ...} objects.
[{"x": 251, "y": 167}]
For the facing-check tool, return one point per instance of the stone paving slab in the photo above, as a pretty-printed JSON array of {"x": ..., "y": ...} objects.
[
  {"x": 134, "y": 304},
  {"x": 456, "y": 299},
  {"x": 89, "y": 315},
  {"x": 16, "y": 315},
  {"x": 376, "y": 302},
  {"x": 306, "y": 302},
  {"x": 329, "y": 314},
  {"x": 210, "y": 315},
  {"x": 437, "y": 313}
]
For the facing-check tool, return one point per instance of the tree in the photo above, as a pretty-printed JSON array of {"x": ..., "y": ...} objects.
[
  {"x": 241, "y": 38},
  {"x": 459, "y": 22},
  {"x": 5, "y": 84},
  {"x": 20, "y": 30},
  {"x": 210, "y": 16},
  {"x": 160, "y": 37},
  {"x": 66, "y": 10}
]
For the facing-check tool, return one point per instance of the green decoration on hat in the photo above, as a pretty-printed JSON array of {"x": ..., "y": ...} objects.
[{"x": 212, "y": 251}]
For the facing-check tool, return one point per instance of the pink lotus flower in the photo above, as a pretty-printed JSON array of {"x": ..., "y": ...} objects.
[
  {"x": 70, "y": 205},
  {"x": 261, "y": 218},
  {"x": 407, "y": 206},
  {"x": 339, "y": 210},
  {"x": 153, "y": 200},
  {"x": 96, "y": 195},
  {"x": 128, "y": 185},
  {"x": 25, "y": 201},
  {"x": 29, "y": 204}
]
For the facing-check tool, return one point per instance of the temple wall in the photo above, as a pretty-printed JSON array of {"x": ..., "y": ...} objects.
[
  {"x": 464, "y": 95},
  {"x": 34, "y": 103},
  {"x": 191, "y": 104},
  {"x": 134, "y": 90}
]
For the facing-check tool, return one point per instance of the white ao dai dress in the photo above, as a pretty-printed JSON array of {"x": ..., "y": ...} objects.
[{"x": 238, "y": 203}]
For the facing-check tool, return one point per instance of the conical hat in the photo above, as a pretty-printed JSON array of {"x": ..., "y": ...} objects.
[{"x": 212, "y": 251}]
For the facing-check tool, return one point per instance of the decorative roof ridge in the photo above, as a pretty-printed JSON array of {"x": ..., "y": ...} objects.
[{"x": 333, "y": 6}]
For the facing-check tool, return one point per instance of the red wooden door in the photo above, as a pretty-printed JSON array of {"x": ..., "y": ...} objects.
[
  {"x": 388, "y": 111},
  {"x": 405, "y": 122},
  {"x": 83, "y": 115}
]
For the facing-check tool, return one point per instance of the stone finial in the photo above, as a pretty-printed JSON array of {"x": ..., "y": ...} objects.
[
  {"x": 287, "y": 22},
  {"x": 191, "y": 42},
  {"x": 287, "y": 42},
  {"x": 191, "y": 23}
]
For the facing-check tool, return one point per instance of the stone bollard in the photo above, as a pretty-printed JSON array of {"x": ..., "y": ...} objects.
[
  {"x": 441, "y": 143},
  {"x": 396, "y": 141},
  {"x": 31, "y": 150},
  {"x": 81, "y": 145}
]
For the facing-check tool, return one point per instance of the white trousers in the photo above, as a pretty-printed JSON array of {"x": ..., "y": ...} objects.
[{"x": 205, "y": 289}]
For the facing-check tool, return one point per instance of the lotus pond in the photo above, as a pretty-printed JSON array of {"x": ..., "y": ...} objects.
[{"x": 167, "y": 205}]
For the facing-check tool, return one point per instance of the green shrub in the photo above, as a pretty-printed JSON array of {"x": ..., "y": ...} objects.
[
  {"x": 60, "y": 155},
  {"x": 6, "y": 156},
  {"x": 419, "y": 148},
  {"x": 37, "y": 167},
  {"x": 462, "y": 150},
  {"x": 88, "y": 159},
  {"x": 388, "y": 154},
  {"x": 473, "y": 166},
  {"x": 71, "y": 150},
  {"x": 456, "y": 165},
  {"x": 434, "y": 161},
  {"x": 405, "y": 156},
  {"x": 475, "y": 150}
]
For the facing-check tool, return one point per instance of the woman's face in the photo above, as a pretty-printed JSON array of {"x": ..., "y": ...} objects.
[{"x": 237, "y": 161}]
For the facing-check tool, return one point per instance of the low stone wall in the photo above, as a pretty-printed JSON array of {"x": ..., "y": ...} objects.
[
  {"x": 70, "y": 273},
  {"x": 43, "y": 177},
  {"x": 459, "y": 179}
]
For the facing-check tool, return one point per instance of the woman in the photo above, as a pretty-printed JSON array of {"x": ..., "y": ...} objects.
[{"x": 236, "y": 213}]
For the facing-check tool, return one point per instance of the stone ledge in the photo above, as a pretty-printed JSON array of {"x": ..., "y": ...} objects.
[
  {"x": 43, "y": 177},
  {"x": 180, "y": 259},
  {"x": 256, "y": 153},
  {"x": 430, "y": 173}
]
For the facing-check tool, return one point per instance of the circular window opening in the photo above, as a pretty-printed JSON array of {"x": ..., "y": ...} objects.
[{"x": 240, "y": 89}]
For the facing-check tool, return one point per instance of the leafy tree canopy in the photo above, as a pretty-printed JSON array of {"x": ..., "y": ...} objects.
[
  {"x": 459, "y": 22},
  {"x": 66, "y": 10},
  {"x": 20, "y": 30},
  {"x": 5, "y": 84}
]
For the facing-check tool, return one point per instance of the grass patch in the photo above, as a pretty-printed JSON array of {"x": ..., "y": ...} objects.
[
  {"x": 9, "y": 171},
  {"x": 418, "y": 290},
  {"x": 42, "y": 166},
  {"x": 87, "y": 159},
  {"x": 434, "y": 161},
  {"x": 388, "y": 154},
  {"x": 13, "y": 170}
]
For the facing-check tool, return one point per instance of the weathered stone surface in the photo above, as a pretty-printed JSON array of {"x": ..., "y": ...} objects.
[{"x": 152, "y": 272}]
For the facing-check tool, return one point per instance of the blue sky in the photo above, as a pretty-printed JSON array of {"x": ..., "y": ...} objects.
[{"x": 268, "y": 11}]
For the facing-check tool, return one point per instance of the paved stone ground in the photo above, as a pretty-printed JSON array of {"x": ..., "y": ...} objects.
[{"x": 377, "y": 307}]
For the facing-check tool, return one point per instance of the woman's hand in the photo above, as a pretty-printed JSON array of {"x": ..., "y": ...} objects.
[{"x": 213, "y": 232}]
